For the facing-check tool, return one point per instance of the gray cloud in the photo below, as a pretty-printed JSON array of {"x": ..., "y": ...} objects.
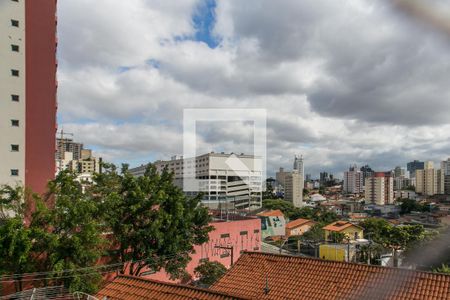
[{"x": 343, "y": 81}]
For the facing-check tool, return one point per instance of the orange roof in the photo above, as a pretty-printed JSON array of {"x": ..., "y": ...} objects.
[
  {"x": 298, "y": 222},
  {"x": 271, "y": 213},
  {"x": 339, "y": 226},
  {"x": 129, "y": 287},
  {"x": 290, "y": 277}
]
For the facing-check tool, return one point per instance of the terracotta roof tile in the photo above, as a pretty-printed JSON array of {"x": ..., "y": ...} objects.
[
  {"x": 339, "y": 226},
  {"x": 128, "y": 287},
  {"x": 306, "y": 278},
  {"x": 272, "y": 213},
  {"x": 298, "y": 222}
]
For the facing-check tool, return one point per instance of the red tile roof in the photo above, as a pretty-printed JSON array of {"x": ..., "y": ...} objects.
[
  {"x": 298, "y": 222},
  {"x": 339, "y": 226},
  {"x": 290, "y": 277},
  {"x": 272, "y": 213},
  {"x": 129, "y": 288}
]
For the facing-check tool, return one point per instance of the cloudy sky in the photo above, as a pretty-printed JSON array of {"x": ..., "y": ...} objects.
[{"x": 343, "y": 82}]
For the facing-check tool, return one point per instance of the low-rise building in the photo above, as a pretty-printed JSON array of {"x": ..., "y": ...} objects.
[
  {"x": 350, "y": 230},
  {"x": 298, "y": 227},
  {"x": 273, "y": 223}
]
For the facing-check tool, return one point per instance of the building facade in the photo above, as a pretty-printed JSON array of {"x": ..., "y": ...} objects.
[
  {"x": 445, "y": 181},
  {"x": 293, "y": 189},
  {"x": 228, "y": 181},
  {"x": 353, "y": 181},
  {"x": 380, "y": 189},
  {"x": 429, "y": 181},
  {"x": 64, "y": 145},
  {"x": 28, "y": 92},
  {"x": 413, "y": 166}
]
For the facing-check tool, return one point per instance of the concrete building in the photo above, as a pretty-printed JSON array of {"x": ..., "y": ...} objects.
[
  {"x": 226, "y": 180},
  {"x": 399, "y": 172},
  {"x": 405, "y": 194},
  {"x": 27, "y": 92},
  {"x": 293, "y": 189},
  {"x": 413, "y": 166},
  {"x": 429, "y": 181},
  {"x": 366, "y": 172},
  {"x": 299, "y": 165},
  {"x": 64, "y": 145},
  {"x": 380, "y": 189},
  {"x": 280, "y": 176},
  {"x": 353, "y": 181},
  {"x": 445, "y": 180}
]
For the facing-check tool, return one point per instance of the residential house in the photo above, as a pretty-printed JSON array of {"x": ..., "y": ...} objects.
[
  {"x": 298, "y": 227},
  {"x": 273, "y": 223},
  {"x": 352, "y": 231}
]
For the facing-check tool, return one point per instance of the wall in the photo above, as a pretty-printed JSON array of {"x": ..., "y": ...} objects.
[
  {"x": 9, "y": 85},
  {"x": 229, "y": 234},
  {"x": 41, "y": 93}
]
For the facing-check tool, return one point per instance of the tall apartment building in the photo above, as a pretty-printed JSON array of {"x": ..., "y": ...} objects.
[
  {"x": 445, "y": 180},
  {"x": 293, "y": 189},
  {"x": 380, "y": 188},
  {"x": 399, "y": 172},
  {"x": 413, "y": 166},
  {"x": 229, "y": 180},
  {"x": 299, "y": 165},
  {"x": 429, "y": 180},
  {"x": 366, "y": 172},
  {"x": 280, "y": 176},
  {"x": 64, "y": 145},
  {"x": 353, "y": 181},
  {"x": 27, "y": 92}
]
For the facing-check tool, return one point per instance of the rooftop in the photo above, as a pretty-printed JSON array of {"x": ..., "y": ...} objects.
[
  {"x": 129, "y": 287},
  {"x": 271, "y": 213},
  {"x": 288, "y": 277},
  {"x": 339, "y": 226},
  {"x": 298, "y": 222}
]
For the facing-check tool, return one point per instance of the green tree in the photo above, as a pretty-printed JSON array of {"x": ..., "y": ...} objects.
[
  {"x": 409, "y": 205},
  {"x": 315, "y": 234},
  {"x": 67, "y": 234},
  {"x": 209, "y": 272},
  {"x": 153, "y": 223},
  {"x": 268, "y": 193},
  {"x": 336, "y": 237},
  {"x": 15, "y": 238},
  {"x": 445, "y": 269}
]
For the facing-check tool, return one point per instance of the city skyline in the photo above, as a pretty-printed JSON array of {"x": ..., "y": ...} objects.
[{"x": 127, "y": 73}]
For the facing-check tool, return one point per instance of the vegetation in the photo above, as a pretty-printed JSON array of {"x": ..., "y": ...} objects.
[
  {"x": 209, "y": 272},
  {"x": 153, "y": 225},
  {"x": 445, "y": 269},
  {"x": 317, "y": 214},
  {"x": 409, "y": 205}
]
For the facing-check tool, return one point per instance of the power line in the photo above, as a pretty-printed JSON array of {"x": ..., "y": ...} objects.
[{"x": 90, "y": 270}]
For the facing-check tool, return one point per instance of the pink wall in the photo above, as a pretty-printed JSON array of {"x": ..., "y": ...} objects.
[{"x": 218, "y": 237}]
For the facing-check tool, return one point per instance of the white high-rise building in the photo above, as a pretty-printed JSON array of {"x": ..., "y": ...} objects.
[
  {"x": 226, "y": 180},
  {"x": 353, "y": 181},
  {"x": 299, "y": 166},
  {"x": 293, "y": 189}
]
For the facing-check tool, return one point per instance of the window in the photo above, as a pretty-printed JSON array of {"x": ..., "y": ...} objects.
[
  {"x": 15, "y": 98},
  {"x": 14, "y": 172},
  {"x": 14, "y": 23},
  {"x": 15, "y": 72},
  {"x": 14, "y": 148},
  {"x": 15, "y": 123},
  {"x": 15, "y": 48}
]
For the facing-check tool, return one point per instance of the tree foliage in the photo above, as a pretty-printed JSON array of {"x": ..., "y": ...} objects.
[
  {"x": 409, "y": 205},
  {"x": 154, "y": 224},
  {"x": 318, "y": 214},
  {"x": 209, "y": 272}
]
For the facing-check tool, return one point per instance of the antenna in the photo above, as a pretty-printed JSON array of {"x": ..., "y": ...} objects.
[{"x": 266, "y": 288}]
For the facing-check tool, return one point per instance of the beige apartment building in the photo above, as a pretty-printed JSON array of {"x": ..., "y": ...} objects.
[
  {"x": 293, "y": 188},
  {"x": 430, "y": 181},
  {"x": 379, "y": 189}
]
